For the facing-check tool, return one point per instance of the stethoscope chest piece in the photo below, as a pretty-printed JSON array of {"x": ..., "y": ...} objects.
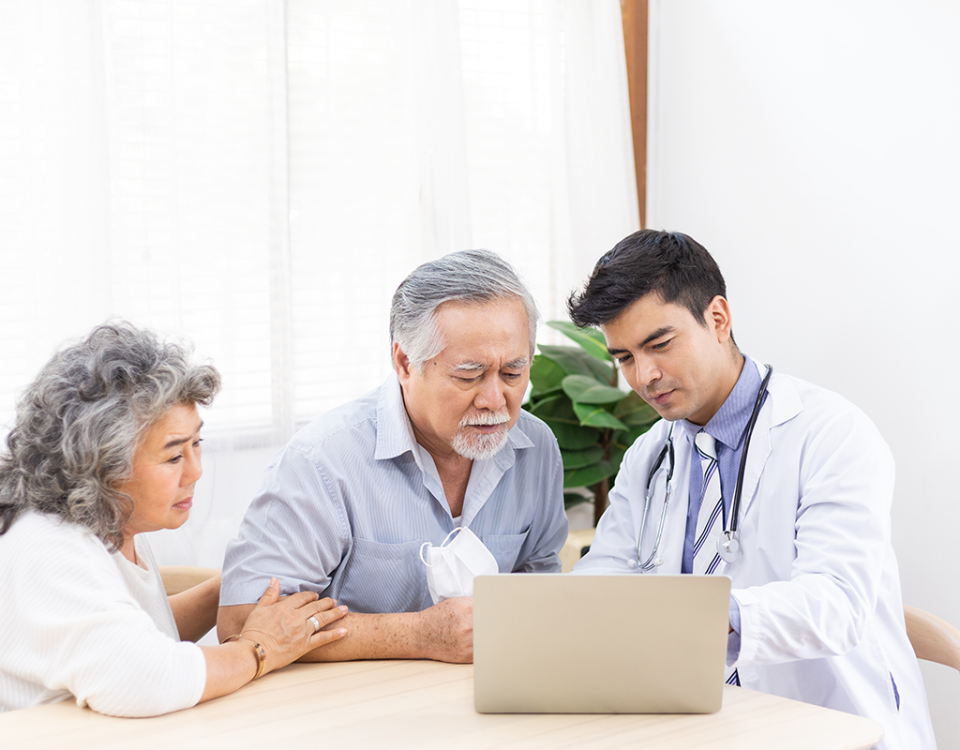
[{"x": 728, "y": 548}]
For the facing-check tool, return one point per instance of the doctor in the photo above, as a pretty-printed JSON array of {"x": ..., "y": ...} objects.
[{"x": 816, "y": 613}]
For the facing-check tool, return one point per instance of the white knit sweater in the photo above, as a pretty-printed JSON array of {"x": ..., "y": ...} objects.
[{"x": 77, "y": 620}]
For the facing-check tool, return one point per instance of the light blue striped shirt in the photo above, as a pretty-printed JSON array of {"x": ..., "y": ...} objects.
[
  {"x": 729, "y": 428},
  {"x": 345, "y": 506}
]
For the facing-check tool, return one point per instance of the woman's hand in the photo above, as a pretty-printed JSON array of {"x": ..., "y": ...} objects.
[
  {"x": 284, "y": 631},
  {"x": 283, "y": 626}
]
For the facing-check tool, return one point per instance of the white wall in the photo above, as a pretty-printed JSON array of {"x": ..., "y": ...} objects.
[{"x": 813, "y": 148}]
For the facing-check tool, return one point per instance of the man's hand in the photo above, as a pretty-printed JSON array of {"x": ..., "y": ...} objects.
[{"x": 445, "y": 631}]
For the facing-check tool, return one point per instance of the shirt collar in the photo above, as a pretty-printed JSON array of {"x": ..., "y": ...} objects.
[
  {"x": 394, "y": 431},
  {"x": 729, "y": 424}
]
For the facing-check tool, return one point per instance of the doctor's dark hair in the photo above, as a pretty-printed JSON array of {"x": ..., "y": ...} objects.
[
  {"x": 80, "y": 422},
  {"x": 473, "y": 276},
  {"x": 673, "y": 265}
]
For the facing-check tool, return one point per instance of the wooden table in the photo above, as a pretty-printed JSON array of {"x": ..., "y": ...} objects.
[{"x": 423, "y": 704}]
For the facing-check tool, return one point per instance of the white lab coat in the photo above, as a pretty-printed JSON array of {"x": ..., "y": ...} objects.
[{"x": 817, "y": 580}]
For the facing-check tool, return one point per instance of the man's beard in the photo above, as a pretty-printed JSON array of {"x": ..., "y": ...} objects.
[{"x": 477, "y": 445}]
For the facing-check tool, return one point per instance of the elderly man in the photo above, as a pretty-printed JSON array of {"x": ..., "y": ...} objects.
[{"x": 362, "y": 501}]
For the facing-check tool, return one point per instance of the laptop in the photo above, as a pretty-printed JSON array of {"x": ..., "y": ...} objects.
[{"x": 554, "y": 643}]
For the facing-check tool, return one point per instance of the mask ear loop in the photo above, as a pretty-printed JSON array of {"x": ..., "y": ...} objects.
[{"x": 446, "y": 539}]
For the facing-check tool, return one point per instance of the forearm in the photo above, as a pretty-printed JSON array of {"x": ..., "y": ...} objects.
[
  {"x": 369, "y": 636},
  {"x": 195, "y": 610},
  {"x": 443, "y": 632},
  {"x": 230, "y": 620},
  {"x": 229, "y": 668},
  {"x": 375, "y": 636},
  {"x": 812, "y": 616}
]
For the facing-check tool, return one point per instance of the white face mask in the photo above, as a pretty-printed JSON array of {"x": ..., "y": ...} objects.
[{"x": 452, "y": 566}]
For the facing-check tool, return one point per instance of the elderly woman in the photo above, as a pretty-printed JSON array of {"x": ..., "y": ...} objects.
[{"x": 106, "y": 446}]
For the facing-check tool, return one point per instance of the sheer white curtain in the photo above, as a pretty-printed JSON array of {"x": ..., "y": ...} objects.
[{"x": 258, "y": 177}]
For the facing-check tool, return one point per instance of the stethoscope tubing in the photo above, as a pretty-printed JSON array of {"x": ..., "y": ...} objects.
[
  {"x": 666, "y": 451},
  {"x": 738, "y": 491}
]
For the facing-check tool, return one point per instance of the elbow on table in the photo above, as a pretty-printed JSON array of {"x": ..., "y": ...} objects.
[
  {"x": 152, "y": 682},
  {"x": 135, "y": 704}
]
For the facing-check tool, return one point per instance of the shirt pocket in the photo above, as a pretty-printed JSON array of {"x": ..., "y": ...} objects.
[
  {"x": 380, "y": 577},
  {"x": 505, "y": 548}
]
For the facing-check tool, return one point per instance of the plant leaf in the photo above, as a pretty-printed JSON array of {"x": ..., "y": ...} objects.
[
  {"x": 558, "y": 413},
  {"x": 634, "y": 411},
  {"x": 621, "y": 440},
  {"x": 586, "y": 390},
  {"x": 595, "y": 416},
  {"x": 545, "y": 375},
  {"x": 576, "y": 361},
  {"x": 588, "y": 475},
  {"x": 537, "y": 397},
  {"x": 570, "y": 499},
  {"x": 589, "y": 338},
  {"x": 579, "y": 459},
  {"x": 574, "y": 437}
]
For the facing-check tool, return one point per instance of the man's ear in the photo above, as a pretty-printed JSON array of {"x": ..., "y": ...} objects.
[
  {"x": 718, "y": 318},
  {"x": 401, "y": 363}
]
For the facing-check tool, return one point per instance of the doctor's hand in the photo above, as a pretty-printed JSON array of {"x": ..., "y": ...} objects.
[{"x": 445, "y": 631}]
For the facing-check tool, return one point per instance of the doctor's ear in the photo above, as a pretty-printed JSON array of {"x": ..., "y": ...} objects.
[{"x": 718, "y": 319}]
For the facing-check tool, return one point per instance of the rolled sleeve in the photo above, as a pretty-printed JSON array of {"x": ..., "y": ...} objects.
[{"x": 294, "y": 498}]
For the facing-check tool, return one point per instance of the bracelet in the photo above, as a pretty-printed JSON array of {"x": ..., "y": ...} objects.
[
  {"x": 261, "y": 659},
  {"x": 258, "y": 651}
]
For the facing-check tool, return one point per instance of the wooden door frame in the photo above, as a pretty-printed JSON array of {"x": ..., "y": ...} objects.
[{"x": 635, "y": 14}]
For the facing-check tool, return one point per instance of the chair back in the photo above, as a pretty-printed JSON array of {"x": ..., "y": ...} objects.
[
  {"x": 574, "y": 548},
  {"x": 932, "y": 639},
  {"x": 177, "y": 578}
]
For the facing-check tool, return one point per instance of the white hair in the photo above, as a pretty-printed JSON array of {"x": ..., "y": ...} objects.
[
  {"x": 465, "y": 276},
  {"x": 79, "y": 423}
]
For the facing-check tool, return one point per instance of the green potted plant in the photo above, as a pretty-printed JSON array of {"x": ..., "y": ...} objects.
[{"x": 574, "y": 389}]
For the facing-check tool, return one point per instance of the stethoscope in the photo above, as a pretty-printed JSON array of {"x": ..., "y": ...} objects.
[{"x": 727, "y": 545}]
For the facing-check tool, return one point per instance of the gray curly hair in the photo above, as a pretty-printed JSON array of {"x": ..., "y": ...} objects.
[
  {"x": 467, "y": 276},
  {"x": 80, "y": 422}
]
